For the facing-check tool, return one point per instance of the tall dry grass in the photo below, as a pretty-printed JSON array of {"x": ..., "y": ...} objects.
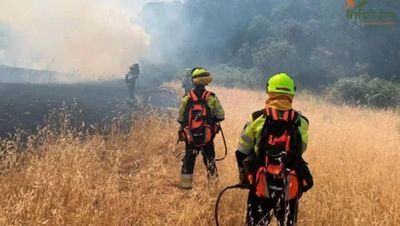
[{"x": 353, "y": 155}]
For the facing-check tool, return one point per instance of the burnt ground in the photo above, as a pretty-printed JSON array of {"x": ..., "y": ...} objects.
[{"x": 25, "y": 106}]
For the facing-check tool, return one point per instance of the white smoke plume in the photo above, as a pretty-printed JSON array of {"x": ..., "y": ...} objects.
[{"x": 87, "y": 37}]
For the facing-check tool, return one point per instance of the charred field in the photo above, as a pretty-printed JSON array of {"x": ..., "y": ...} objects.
[{"x": 27, "y": 106}]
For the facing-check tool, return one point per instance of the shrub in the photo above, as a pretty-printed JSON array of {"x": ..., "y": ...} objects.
[{"x": 365, "y": 90}]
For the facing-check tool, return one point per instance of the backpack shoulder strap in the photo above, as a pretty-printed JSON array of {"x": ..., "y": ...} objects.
[
  {"x": 303, "y": 117},
  {"x": 193, "y": 96},
  {"x": 289, "y": 115},
  {"x": 257, "y": 114},
  {"x": 296, "y": 117},
  {"x": 212, "y": 94},
  {"x": 272, "y": 113},
  {"x": 205, "y": 95}
]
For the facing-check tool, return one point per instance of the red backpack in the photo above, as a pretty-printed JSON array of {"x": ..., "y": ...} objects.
[
  {"x": 199, "y": 130},
  {"x": 273, "y": 172}
]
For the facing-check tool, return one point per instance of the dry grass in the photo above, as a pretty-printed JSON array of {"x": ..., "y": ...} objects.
[{"x": 353, "y": 154}]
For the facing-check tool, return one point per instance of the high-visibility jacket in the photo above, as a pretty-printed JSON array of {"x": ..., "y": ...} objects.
[
  {"x": 251, "y": 134},
  {"x": 213, "y": 103}
]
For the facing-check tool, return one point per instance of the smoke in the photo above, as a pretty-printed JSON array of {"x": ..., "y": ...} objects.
[{"x": 86, "y": 37}]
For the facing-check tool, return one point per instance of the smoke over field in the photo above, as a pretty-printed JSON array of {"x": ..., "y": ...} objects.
[
  {"x": 83, "y": 37},
  {"x": 85, "y": 154},
  {"x": 353, "y": 155}
]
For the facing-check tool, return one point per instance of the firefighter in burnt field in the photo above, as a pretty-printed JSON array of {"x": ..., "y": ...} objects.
[{"x": 131, "y": 78}]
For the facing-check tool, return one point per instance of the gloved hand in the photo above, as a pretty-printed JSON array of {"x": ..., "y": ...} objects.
[
  {"x": 304, "y": 173},
  {"x": 249, "y": 161},
  {"x": 309, "y": 183},
  {"x": 243, "y": 177},
  {"x": 217, "y": 129},
  {"x": 181, "y": 135}
]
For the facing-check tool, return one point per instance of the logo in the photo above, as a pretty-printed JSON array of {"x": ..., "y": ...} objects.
[
  {"x": 352, "y": 4},
  {"x": 367, "y": 12}
]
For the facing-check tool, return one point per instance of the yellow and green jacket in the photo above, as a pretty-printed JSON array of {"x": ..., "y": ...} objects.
[
  {"x": 212, "y": 101},
  {"x": 251, "y": 134}
]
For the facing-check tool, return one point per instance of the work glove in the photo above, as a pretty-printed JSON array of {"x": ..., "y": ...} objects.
[
  {"x": 217, "y": 128},
  {"x": 181, "y": 135},
  {"x": 243, "y": 179},
  {"x": 249, "y": 161},
  {"x": 304, "y": 173},
  {"x": 216, "y": 120},
  {"x": 309, "y": 182},
  {"x": 308, "y": 186}
]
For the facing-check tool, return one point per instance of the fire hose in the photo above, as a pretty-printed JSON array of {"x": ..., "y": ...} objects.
[
  {"x": 240, "y": 186},
  {"x": 223, "y": 138}
]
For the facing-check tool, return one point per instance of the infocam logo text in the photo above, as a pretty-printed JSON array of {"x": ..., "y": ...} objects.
[{"x": 358, "y": 10}]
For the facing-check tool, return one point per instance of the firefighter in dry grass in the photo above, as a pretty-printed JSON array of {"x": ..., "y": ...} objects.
[
  {"x": 199, "y": 112},
  {"x": 269, "y": 156}
]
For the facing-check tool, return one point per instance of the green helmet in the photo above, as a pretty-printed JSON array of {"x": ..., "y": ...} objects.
[
  {"x": 281, "y": 83},
  {"x": 198, "y": 72}
]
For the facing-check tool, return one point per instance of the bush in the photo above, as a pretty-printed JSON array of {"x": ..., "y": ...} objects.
[{"x": 365, "y": 90}]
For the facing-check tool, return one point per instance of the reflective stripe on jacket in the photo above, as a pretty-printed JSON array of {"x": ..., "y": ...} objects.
[{"x": 251, "y": 134}]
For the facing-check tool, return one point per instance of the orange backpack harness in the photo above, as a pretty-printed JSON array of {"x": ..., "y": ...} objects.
[
  {"x": 273, "y": 167},
  {"x": 198, "y": 132}
]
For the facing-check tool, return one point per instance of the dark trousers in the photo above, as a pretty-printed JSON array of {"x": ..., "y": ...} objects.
[
  {"x": 131, "y": 89},
  {"x": 208, "y": 153},
  {"x": 261, "y": 210}
]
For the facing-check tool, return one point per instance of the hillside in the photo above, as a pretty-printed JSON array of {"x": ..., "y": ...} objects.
[
  {"x": 352, "y": 153},
  {"x": 26, "y": 75}
]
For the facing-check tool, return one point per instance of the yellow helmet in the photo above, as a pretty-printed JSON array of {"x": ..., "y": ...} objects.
[
  {"x": 199, "y": 72},
  {"x": 200, "y": 76},
  {"x": 281, "y": 83}
]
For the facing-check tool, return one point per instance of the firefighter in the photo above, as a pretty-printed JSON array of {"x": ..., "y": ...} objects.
[
  {"x": 187, "y": 81},
  {"x": 274, "y": 135},
  {"x": 199, "y": 111},
  {"x": 131, "y": 78}
]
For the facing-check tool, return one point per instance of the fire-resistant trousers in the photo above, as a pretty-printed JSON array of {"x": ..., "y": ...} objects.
[
  {"x": 191, "y": 153},
  {"x": 261, "y": 210}
]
